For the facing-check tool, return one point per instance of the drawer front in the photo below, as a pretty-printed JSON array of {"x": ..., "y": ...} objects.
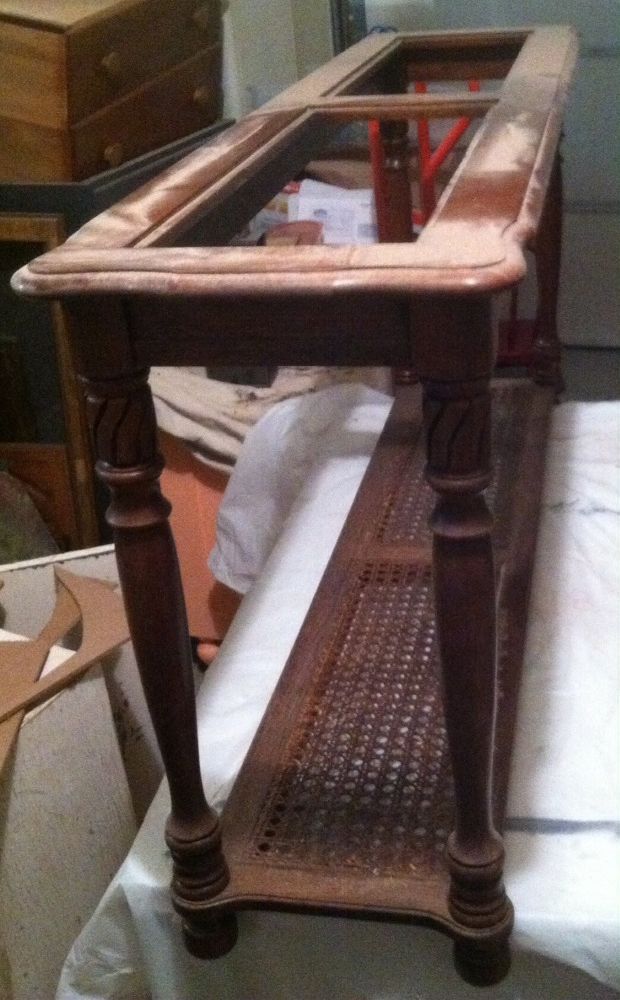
[
  {"x": 175, "y": 104},
  {"x": 33, "y": 154},
  {"x": 110, "y": 57}
]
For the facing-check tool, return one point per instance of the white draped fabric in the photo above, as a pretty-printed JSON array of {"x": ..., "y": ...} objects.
[{"x": 562, "y": 836}]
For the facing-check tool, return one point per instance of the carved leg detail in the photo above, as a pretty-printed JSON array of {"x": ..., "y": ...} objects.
[
  {"x": 458, "y": 419},
  {"x": 394, "y": 221},
  {"x": 546, "y": 364},
  {"x": 123, "y": 424}
]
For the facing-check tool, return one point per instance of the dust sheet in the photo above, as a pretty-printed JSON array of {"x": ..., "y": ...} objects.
[{"x": 562, "y": 834}]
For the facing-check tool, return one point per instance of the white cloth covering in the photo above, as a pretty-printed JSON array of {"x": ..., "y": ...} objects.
[
  {"x": 213, "y": 417},
  {"x": 282, "y": 451},
  {"x": 562, "y": 857}
]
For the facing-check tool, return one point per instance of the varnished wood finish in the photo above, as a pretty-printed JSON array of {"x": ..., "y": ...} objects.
[
  {"x": 397, "y": 225},
  {"x": 460, "y": 250},
  {"x": 545, "y": 367},
  {"x": 454, "y": 57},
  {"x": 45, "y": 151},
  {"x": 44, "y": 470},
  {"x": 392, "y": 107},
  {"x": 423, "y": 307},
  {"x": 271, "y": 330},
  {"x": 143, "y": 41},
  {"x": 457, "y": 414},
  {"x": 150, "y": 116},
  {"x": 62, "y": 65},
  {"x": 122, "y": 420},
  {"x": 308, "y": 843},
  {"x": 79, "y": 79}
]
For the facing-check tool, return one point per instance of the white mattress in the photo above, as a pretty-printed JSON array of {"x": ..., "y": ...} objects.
[{"x": 562, "y": 839}]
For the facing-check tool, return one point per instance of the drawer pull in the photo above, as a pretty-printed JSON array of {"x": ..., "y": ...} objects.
[
  {"x": 202, "y": 17},
  {"x": 114, "y": 154},
  {"x": 112, "y": 64},
  {"x": 202, "y": 96}
]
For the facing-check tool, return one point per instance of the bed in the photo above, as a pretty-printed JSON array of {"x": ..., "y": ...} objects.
[{"x": 451, "y": 602}]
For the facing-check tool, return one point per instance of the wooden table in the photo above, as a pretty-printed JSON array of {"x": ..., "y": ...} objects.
[{"x": 425, "y": 307}]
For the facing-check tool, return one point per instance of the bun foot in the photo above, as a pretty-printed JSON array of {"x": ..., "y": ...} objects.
[
  {"x": 211, "y": 936},
  {"x": 482, "y": 964}
]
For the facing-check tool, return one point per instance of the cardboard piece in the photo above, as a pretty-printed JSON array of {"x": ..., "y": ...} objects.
[{"x": 104, "y": 627}]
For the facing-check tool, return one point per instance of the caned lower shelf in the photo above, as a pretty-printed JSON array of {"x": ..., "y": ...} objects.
[{"x": 344, "y": 802}]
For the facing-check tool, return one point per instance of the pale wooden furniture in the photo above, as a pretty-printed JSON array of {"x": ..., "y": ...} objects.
[
  {"x": 43, "y": 432},
  {"x": 88, "y": 85},
  {"x": 425, "y": 308}
]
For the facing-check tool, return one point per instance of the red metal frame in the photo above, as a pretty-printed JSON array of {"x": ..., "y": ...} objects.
[{"x": 430, "y": 161}]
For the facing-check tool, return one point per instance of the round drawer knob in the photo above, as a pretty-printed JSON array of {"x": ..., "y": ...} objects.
[
  {"x": 202, "y": 17},
  {"x": 112, "y": 65},
  {"x": 202, "y": 96},
  {"x": 114, "y": 154}
]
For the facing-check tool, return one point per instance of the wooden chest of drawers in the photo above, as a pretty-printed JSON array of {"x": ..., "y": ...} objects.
[{"x": 88, "y": 84}]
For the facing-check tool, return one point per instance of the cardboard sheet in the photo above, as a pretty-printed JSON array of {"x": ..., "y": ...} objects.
[{"x": 26, "y": 676}]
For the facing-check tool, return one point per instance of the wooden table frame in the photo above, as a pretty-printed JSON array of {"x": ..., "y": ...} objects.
[{"x": 138, "y": 300}]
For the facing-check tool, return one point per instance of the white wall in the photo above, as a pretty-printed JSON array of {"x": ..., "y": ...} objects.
[
  {"x": 269, "y": 45},
  {"x": 313, "y": 34},
  {"x": 259, "y": 53}
]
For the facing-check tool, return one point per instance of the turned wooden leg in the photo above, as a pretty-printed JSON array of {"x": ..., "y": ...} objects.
[
  {"x": 394, "y": 220},
  {"x": 123, "y": 424},
  {"x": 546, "y": 362},
  {"x": 457, "y": 413},
  {"x": 458, "y": 421}
]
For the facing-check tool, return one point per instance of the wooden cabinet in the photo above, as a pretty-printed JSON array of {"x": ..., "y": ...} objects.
[
  {"x": 176, "y": 103},
  {"x": 43, "y": 436},
  {"x": 88, "y": 85}
]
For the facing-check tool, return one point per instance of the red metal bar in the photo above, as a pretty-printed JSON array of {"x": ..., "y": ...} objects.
[
  {"x": 445, "y": 147},
  {"x": 430, "y": 162},
  {"x": 427, "y": 186}
]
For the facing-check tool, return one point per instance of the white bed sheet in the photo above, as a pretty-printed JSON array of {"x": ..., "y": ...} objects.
[{"x": 562, "y": 839}]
